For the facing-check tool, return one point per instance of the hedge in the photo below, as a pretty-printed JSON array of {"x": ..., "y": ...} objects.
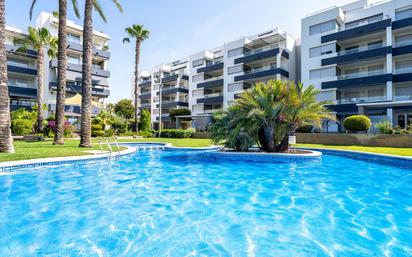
[
  {"x": 22, "y": 127},
  {"x": 177, "y": 133},
  {"x": 357, "y": 123}
]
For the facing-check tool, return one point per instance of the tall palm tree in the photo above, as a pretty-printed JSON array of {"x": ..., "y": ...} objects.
[
  {"x": 40, "y": 39},
  {"x": 61, "y": 66},
  {"x": 86, "y": 109},
  {"x": 6, "y": 140},
  {"x": 139, "y": 34}
]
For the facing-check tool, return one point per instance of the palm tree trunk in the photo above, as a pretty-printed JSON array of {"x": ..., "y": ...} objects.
[
  {"x": 267, "y": 138},
  {"x": 86, "y": 117},
  {"x": 40, "y": 88},
  {"x": 136, "y": 83},
  {"x": 6, "y": 140},
  {"x": 61, "y": 73}
]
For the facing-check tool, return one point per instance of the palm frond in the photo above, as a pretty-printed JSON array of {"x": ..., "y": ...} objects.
[
  {"x": 33, "y": 3},
  {"x": 75, "y": 5},
  {"x": 97, "y": 6}
]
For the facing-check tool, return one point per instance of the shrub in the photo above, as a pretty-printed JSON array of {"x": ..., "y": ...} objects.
[
  {"x": 97, "y": 131},
  {"x": 144, "y": 120},
  {"x": 178, "y": 112},
  {"x": 22, "y": 127},
  {"x": 385, "y": 127},
  {"x": 119, "y": 125},
  {"x": 68, "y": 130},
  {"x": 146, "y": 133},
  {"x": 177, "y": 133},
  {"x": 357, "y": 123},
  {"x": 305, "y": 129},
  {"x": 109, "y": 132}
]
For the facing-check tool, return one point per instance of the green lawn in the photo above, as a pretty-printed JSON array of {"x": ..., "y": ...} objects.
[
  {"x": 371, "y": 149},
  {"x": 45, "y": 149}
]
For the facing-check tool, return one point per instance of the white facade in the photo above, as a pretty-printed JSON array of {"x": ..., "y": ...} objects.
[
  {"x": 211, "y": 79},
  {"x": 360, "y": 56}
]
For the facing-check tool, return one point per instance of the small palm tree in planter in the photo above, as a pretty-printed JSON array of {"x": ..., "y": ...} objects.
[{"x": 267, "y": 115}]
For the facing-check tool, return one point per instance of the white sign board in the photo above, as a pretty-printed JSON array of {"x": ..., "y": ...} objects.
[{"x": 292, "y": 140}]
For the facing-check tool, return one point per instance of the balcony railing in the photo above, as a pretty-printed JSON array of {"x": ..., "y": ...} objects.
[
  {"x": 211, "y": 95},
  {"x": 403, "y": 70},
  {"x": 211, "y": 110},
  {"x": 265, "y": 48},
  {"x": 403, "y": 97},
  {"x": 363, "y": 23},
  {"x": 403, "y": 43},
  {"x": 212, "y": 79},
  {"x": 362, "y": 99},
  {"x": 213, "y": 63},
  {"x": 361, "y": 74},
  {"x": 263, "y": 68},
  {"x": 360, "y": 49}
]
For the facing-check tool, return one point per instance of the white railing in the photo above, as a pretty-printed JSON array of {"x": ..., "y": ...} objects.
[
  {"x": 212, "y": 95},
  {"x": 265, "y": 48},
  {"x": 403, "y": 70},
  {"x": 360, "y": 49},
  {"x": 403, "y": 43},
  {"x": 360, "y": 74},
  {"x": 362, "y": 99}
]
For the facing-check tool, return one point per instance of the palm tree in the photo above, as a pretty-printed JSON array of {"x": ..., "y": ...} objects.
[
  {"x": 40, "y": 39},
  {"x": 140, "y": 34},
  {"x": 61, "y": 66},
  {"x": 6, "y": 140},
  {"x": 269, "y": 113},
  {"x": 86, "y": 109}
]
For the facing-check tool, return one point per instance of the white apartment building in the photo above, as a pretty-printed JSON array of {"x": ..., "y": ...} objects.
[
  {"x": 360, "y": 56},
  {"x": 22, "y": 69},
  {"x": 211, "y": 79}
]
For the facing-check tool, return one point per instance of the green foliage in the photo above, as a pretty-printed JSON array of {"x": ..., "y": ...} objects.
[
  {"x": 267, "y": 114},
  {"x": 177, "y": 133},
  {"x": 119, "y": 125},
  {"x": 178, "y": 112},
  {"x": 305, "y": 129},
  {"x": 144, "y": 120},
  {"x": 68, "y": 130},
  {"x": 136, "y": 31},
  {"x": 97, "y": 131},
  {"x": 146, "y": 133},
  {"x": 357, "y": 123},
  {"x": 385, "y": 127},
  {"x": 124, "y": 108},
  {"x": 21, "y": 127}
]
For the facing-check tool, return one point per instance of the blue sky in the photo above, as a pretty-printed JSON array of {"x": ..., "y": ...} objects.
[{"x": 178, "y": 27}]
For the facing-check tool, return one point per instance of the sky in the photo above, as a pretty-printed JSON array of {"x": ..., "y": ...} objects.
[{"x": 178, "y": 27}]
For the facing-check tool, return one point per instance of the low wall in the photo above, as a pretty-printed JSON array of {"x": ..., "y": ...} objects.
[
  {"x": 201, "y": 135},
  {"x": 355, "y": 139}
]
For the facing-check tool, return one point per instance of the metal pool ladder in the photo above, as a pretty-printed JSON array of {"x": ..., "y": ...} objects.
[{"x": 109, "y": 146}]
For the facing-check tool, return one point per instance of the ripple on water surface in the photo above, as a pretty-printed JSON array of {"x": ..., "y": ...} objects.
[{"x": 181, "y": 203}]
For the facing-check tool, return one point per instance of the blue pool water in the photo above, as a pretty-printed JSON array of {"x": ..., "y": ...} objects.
[{"x": 181, "y": 203}]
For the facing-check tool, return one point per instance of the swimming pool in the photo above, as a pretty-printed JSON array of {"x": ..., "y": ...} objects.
[{"x": 188, "y": 203}]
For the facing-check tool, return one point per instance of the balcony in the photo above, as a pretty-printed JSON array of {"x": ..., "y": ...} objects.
[
  {"x": 369, "y": 78},
  {"x": 213, "y": 66},
  {"x": 362, "y": 29},
  {"x": 170, "y": 78},
  {"x": 400, "y": 98},
  {"x": 173, "y": 103},
  {"x": 73, "y": 88},
  {"x": 211, "y": 82},
  {"x": 146, "y": 83},
  {"x": 15, "y": 90},
  {"x": 21, "y": 70},
  {"x": 402, "y": 75},
  {"x": 402, "y": 23},
  {"x": 266, "y": 71},
  {"x": 362, "y": 100},
  {"x": 215, "y": 98},
  {"x": 362, "y": 53},
  {"x": 262, "y": 53},
  {"x": 145, "y": 106},
  {"x": 173, "y": 90},
  {"x": 145, "y": 95},
  {"x": 96, "y": 52},
  {"x": 29, "y": 52},
  {"x": 96, "y": 70},
  {"x": 403, "y": 47}
]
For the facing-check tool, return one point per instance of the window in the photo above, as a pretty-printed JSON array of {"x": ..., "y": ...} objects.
[
  {"x": 197, "y": 63},
  {"x": 375, "y": 44},
  {"x": 377, "y": 92},
  {"x": 73, "y": 38},
  {"x": 403, "y": 14},
  {"x": 352, "y": 49},
  {"x": 19, "y": 82},
  {"x": 405, "y": 90},
  {"x": 73, "y": 59},
  {"x": 403, "y": 40},
  {"x": 197, "y": 92},
  {"x": 323, "y": 27},
  {"x": 322, "y": 50},
  {"x": 375, "y": 69},
  {"x": 235, "y": 69},
  {"x": 323, "y": 73},
  {"x": 198, "y": 77},
  {"x": 403, "y": 66},
  {"x": 198, "y": 108},
  {"x": 235, "y": 52},
  {"x": 235, "y": 86},
  {"x": 354, "y": 24}
]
